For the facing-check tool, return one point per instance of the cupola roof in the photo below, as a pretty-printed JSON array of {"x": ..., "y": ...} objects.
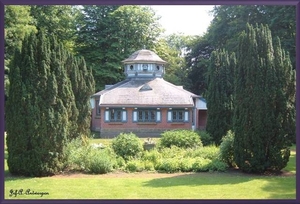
[{"x": 144, "y": 56}]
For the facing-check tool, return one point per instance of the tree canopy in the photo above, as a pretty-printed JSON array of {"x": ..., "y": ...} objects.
[
  {"x": 228, "y": 23},
  {"x": 109, "y": 34}
]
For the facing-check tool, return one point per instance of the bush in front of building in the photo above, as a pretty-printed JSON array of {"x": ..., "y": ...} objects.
[
  {"x": 153, "y": 156},
  {"x": 100, "y": 162},
  {"x": 173, "y": 152},
  {"x": 206, "y": 152},
  {"x": 227, "y": 150},
  {"x": 168, "y": 165},
  {"x": 205, "y": 137},
  {"x": 186, "y": 164},
  {"x": 120, "y": 163},
  {"x": 189, "y": 164},
  {"x": 201, "y": 165},
  {"x": 217, "y": 165},
  {"x": 76, "y": 154},
  {"x": 127, "y": 145},
  {"x": 149, "y": 166},
  {"x": 135, "y": 166},
  {"x": 82, "y": 156},
  {"x": 180, "y": 138}
]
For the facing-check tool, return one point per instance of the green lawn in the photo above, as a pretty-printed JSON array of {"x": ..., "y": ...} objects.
[
  {"x": 291, "y": 166},
  {"x": 228, "y": 185},
  {"x": 192, "y": 186}
]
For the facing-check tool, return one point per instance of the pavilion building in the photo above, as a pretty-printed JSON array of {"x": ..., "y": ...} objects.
[{"x": 144, "y": 103}]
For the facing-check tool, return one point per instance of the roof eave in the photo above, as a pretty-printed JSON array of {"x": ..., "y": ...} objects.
[
  {"x": 148, "y": 105},
  {"x": 143, "y": 61}
]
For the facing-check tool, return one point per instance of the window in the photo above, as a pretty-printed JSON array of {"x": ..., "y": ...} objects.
[
  {"x": 115, "y": 115},
  {"x": 178, "y": 115},
  {"x": 146, "y": 116},
  {"x": 98, "y": 111},
  {"x": 145, "y": 67}
]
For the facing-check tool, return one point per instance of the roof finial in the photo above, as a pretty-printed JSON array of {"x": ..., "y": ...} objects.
[{"x": 144, "y": 47}]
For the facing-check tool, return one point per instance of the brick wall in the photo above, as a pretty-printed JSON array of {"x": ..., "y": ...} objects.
[
  {"x": 95, "y": 121},
  {"x": 150, "y": 129}
]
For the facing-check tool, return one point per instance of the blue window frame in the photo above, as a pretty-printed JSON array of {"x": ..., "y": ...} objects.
[
  {"x": 178, "y": 115},
  {"x": 115, "y": 115},
  {"x": 146, "y": 115}
]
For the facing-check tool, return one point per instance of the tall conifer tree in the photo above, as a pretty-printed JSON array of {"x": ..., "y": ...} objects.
[
  {"x": 42, "y": 114},
  {"x": 262, "y": 126},
  {"x": 219, "y": 94}
]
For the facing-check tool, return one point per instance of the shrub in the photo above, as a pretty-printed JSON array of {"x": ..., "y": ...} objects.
[
  {"x": 226, "y": 149},
  {"x": 173, "y": 152},
  {"x": 208, "y": 152},
  {"x": 100, "y": 162},
  {"x": 180, "y": 138},
  {"x": 149, "y": 166},
  {"x": 82, "y": 156},
  {"x": 120, "y": 162},
  {"x": 186, "y": 164},
  {"x": 205, "y": 137},
  {"x": 76, "y": 154},
  {"x": 201, "y": 165},
  {"x": 217, "y": 165},
  {"x": 152, "y": 155},
  {"x": 127, "y": 145},
  {"x": 135, "y": 166},
  {"x": 169, "y": 165}
]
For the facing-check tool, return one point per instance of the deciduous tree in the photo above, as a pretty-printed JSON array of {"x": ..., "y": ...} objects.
[{"x": 109, "y": 34}]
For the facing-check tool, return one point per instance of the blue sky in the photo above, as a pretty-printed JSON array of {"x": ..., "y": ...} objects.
[{"x": 186, "y": 19}]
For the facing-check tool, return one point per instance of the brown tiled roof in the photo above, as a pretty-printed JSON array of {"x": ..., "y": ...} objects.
[
  {"x": 143, "y": 55},
  {"x": 145, "y": 92}
]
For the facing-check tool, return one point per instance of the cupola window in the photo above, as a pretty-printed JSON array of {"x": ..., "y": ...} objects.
[{"x": 145, "y": 67}]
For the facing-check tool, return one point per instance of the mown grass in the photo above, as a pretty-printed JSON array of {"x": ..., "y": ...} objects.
[
  {"x": 192, "y": 186},
  {"x": 214, "y": 185},
  {"x": 291, "y": 166}
]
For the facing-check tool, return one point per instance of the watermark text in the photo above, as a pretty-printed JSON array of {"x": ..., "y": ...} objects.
[{"x": 29, "y": 192}]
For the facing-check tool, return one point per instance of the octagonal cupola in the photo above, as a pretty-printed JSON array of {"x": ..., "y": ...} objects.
[{"x": 144, "y": 64}]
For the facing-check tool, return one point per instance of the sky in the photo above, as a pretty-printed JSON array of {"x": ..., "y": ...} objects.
[{"x": 186, "y": 19}]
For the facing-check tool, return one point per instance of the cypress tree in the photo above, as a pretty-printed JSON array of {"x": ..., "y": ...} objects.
[
  {"x": 84, "y": 90},
  {"x": 83, "y": 84},
  {"x": 15, "y": 122},
  {"x": 261, "y": 141},
  {"x": 219, "y": 94},
  {"x": 41, "y": 111}
]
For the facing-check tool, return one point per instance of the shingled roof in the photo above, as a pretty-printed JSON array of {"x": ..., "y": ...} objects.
[
  {"x": 146, "y": 92},
  {"x": 143, "y": 55}
]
